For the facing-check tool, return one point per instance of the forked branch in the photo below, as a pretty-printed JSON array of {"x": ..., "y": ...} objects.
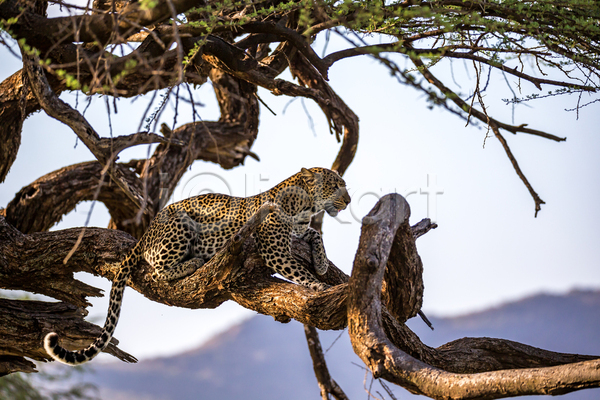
[{"x": 385, "y": 359}]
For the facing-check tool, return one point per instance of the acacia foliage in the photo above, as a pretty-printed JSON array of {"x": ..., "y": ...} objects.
[{"x": 126, "y": 49}]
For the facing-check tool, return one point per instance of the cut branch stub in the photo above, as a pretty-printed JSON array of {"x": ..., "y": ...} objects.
[{"x": 367, "y": 329}]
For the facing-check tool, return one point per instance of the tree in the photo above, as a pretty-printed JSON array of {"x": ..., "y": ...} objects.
[{"x": 125, "y": 49}]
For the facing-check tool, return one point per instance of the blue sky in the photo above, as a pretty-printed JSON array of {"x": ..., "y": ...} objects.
[{"x": 488, "y": 248}]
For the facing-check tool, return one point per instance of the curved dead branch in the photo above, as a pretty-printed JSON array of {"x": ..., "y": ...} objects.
[
  {"x": 16, "y": 104},
  {"x": 26, "y": 316},
  {"x": 10, "y": 135},
  {"x": 38, "y": 206},
  {"x": 388, "y": 361}
]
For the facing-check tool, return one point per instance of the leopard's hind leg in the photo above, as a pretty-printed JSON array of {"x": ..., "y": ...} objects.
[{"x": 171, "y": 247}]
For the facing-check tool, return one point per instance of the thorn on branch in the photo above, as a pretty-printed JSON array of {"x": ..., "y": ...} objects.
[{"x": 425, "y": 319}]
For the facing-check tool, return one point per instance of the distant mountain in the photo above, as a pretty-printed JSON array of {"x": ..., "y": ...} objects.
[{"x": 262, "y": 359}]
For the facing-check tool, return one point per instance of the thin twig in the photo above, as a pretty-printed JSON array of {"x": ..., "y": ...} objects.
[
  {"x": 493, "y": 124},
  {"x": 327, "y": 385}
]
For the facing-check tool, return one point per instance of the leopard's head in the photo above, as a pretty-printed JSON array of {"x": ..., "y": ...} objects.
[{"x": 327, "y": 188}]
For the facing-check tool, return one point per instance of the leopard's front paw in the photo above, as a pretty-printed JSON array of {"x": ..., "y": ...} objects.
[
  {"x": 320, "y": 262},
  {"x": 319, "y": 286},
  {"x": 158, "y": 277},
  {"x": 321, "y": 269}
]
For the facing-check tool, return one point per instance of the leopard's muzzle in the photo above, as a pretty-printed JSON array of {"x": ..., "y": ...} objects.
[{"x": 340, "y": 201}]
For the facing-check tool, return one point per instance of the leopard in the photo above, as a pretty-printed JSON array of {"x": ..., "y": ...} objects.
[{"x": 185, "y": 235}]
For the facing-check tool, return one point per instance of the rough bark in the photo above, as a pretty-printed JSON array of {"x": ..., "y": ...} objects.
[
  {"x": 45, "y": 33},
  {"x": 237, "y": 273},
  {"x": 369, "y": 328},
  {"x": 21, "y": 321}
]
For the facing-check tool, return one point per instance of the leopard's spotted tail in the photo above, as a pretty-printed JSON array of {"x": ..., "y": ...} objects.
[{"x": 114, "y": 309}]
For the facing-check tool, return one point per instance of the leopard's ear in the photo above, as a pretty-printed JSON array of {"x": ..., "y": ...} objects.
[{"x": 308, "y": 176}]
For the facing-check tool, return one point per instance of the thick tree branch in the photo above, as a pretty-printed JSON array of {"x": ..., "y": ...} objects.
[
  {"x": 45, "y": 33},
  {"x": 16, "y": 104},
  {"x": 386, "y": 360},
  {"x": 20, "y": 322},
  {"x": 38, "y": 206},
  {"x": 35, "y": 262},
  {"x": 473, "y": 355},
  {"x": 10, "y": 134}
]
